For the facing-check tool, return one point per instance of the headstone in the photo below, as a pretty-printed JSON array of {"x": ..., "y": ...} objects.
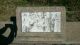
[{"x": 41, "y": 23}]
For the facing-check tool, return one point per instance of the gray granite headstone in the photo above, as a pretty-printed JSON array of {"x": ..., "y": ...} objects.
[{"x": 41, "y": 23}]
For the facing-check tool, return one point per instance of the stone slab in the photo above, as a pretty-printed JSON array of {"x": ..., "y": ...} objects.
[{"x": 41, "y": 36}]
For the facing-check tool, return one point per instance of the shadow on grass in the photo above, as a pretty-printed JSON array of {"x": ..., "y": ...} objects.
[{"x": 7, "y": 40}]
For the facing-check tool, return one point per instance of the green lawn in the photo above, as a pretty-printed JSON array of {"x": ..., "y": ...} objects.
[{"x": 8, "y": 7}]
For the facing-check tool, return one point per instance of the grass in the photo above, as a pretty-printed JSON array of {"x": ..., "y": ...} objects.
[{"x": 8, "y": 7}]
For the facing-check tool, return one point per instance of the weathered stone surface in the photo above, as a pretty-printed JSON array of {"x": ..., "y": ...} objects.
[
  {"x": 41, "y": 21},
  {"x": 40, "y": 36}
]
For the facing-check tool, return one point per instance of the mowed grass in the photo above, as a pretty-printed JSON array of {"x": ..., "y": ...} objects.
[{"x": 8, "y": 7}]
